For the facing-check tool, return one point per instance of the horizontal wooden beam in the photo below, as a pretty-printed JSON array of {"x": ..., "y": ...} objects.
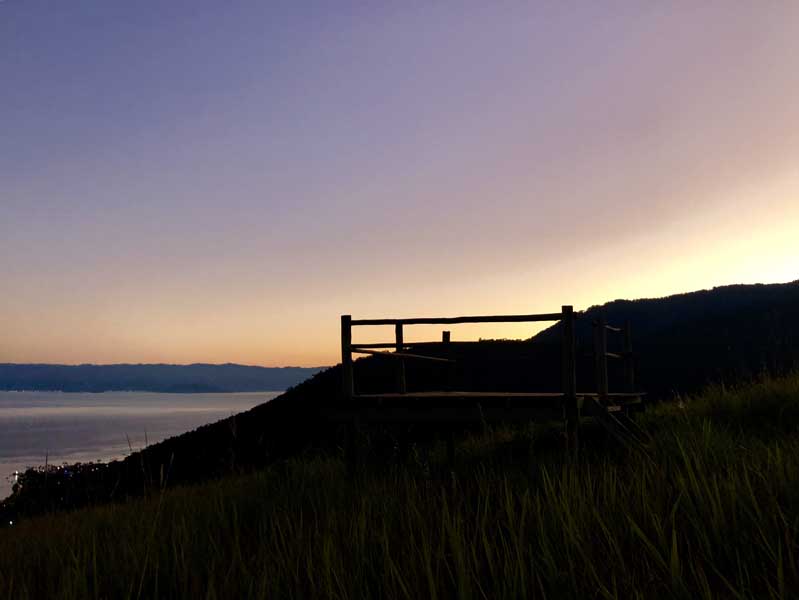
[
  {"x": 455, "y": 320},
  {"x": 489, "y": 395},
  {"x": 418, "y": 344},
  {"x": 443, "y": 345},
  {"x": 400, "y": 355},
  {"x": 446, "y": 417},
  {"x": 465, "y": 395},
  {"x": 609, "y": 354},
  {"x": 355, "y": 347}
]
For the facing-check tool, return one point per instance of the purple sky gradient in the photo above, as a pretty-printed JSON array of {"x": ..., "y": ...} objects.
[{"x": 217, "y": 181}]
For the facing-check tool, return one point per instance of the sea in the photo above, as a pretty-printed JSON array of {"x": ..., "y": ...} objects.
[{"x": 38, "y": 428}]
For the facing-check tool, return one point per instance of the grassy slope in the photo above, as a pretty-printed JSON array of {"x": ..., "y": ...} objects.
[{"x": 712, "y": 512}]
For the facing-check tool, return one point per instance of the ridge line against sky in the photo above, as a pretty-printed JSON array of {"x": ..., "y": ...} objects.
[{"x": 203, "y": 182}]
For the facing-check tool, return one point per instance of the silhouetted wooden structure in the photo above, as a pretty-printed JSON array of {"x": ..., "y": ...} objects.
[{"x": 463, "y": 407}]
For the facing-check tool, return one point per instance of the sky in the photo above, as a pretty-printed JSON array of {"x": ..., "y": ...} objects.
[{"x": 198, "y": 181}]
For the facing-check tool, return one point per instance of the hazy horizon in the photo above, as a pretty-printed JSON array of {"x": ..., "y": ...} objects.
[
  {"x": 430, "y": 330},
  {"x": 218, "y": 364},
  {"x": 196, "y": 182}
]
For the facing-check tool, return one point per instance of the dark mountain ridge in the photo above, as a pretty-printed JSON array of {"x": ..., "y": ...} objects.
[
  {"x": 684, "y": 341},
  {"x": 198, "y": 377}
]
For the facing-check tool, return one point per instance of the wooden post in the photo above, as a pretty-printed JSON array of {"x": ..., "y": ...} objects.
[
  {"x": 450, "y": 383},
  {"x": 348, "y": 390},
  {"x": 629, "y": 362},
  {"x": 569, "y": 372},
  {"x": 399, "y": 343},
  {"x": 601, "y": 357},
  {"x": 347, "y": 384}
]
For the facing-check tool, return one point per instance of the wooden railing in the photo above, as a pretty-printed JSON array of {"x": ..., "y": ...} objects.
[
  {"x": 566, "y": 316},
  {"x": 601, "y": 399}
]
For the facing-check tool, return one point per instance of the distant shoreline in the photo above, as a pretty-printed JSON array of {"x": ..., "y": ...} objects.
[
  {"x": 155, "y": 378},
  {"x": 35, "y": 391}
]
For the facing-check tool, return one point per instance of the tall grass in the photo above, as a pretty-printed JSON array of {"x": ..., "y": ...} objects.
[{"x": 711, "y": 512}]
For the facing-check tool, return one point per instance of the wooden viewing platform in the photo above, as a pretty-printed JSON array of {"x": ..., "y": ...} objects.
[{"x": 462, "y": 407}]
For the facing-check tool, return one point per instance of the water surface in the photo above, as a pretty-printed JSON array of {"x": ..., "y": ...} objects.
[{"x": 77, "y": 427}]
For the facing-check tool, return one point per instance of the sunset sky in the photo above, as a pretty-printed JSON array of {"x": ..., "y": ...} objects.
[{"x": 194, "y": 181}]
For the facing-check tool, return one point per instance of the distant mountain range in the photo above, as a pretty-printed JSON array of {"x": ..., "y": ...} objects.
[{"x": 151, "y": 378}]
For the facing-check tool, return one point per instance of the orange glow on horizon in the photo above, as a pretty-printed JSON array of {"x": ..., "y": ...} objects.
[{"x": 432, "y": 163}]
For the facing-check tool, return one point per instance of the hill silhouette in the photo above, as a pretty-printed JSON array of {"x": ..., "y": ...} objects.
[{"x": 682, "y": 342}]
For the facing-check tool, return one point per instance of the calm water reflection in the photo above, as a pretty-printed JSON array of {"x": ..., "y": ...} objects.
[{"x": 84, "y": 427}]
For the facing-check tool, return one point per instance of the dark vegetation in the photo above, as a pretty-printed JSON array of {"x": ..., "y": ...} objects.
[
  {"x": 151, "y": 378},
  {"x": 725, "y": 335},
  {"x": 710, "y": 511}
]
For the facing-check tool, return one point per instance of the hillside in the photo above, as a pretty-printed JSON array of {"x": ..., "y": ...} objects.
[
  {"x": 151, "y": 378},
  {"x": 683, "y": 342},
  {"x": 711, "y": 511}
]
